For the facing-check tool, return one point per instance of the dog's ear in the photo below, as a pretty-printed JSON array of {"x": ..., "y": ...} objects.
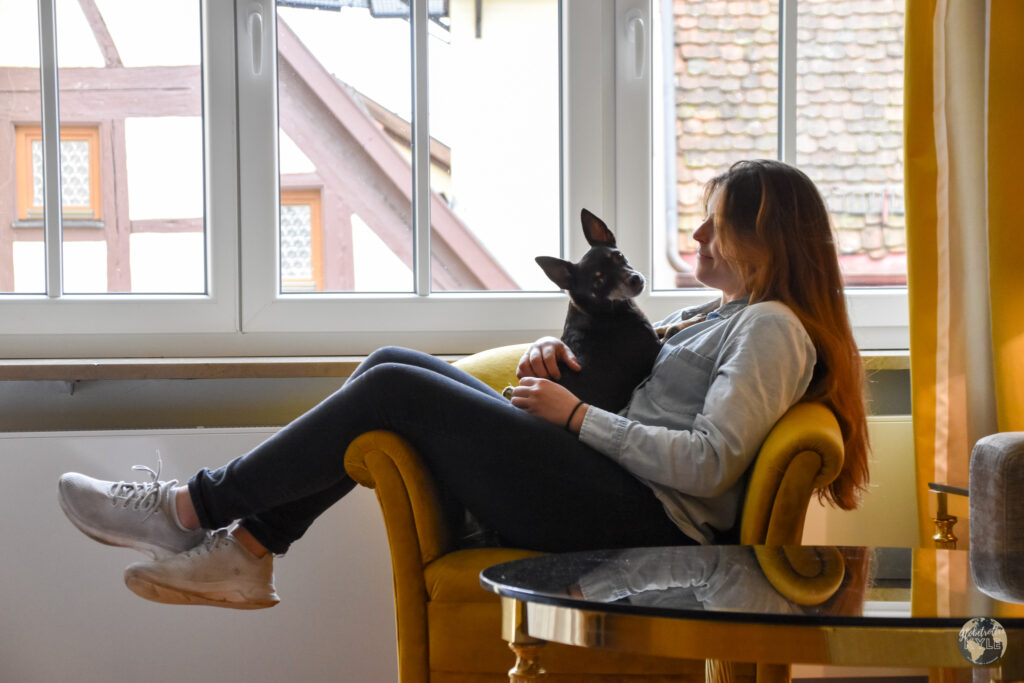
[
  {"x": 557, "y": 270},
  {"x": 596, "y": 231}
]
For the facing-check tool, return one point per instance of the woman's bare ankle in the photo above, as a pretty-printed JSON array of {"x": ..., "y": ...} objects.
[
  {"x": 186, "y": 512},
  {"x": 248, "y": 541}
]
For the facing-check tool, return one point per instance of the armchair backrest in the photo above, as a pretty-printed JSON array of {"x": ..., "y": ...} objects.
[{"x": 494, "y": 367}]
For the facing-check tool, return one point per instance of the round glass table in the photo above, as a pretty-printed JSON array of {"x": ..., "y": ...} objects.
[{"x": 773, "y": 606}]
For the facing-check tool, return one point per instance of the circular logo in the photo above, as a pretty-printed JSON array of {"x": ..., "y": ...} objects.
[{"x": 982, "y": 641}]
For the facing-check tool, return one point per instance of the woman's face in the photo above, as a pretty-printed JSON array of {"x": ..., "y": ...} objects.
[{"x": 713, "y": 270}]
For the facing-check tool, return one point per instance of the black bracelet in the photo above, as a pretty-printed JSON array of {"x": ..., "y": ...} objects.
[{"x": 572, "y": 415}]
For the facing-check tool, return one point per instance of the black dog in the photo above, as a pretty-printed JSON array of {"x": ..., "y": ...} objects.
[{"x": 609, "y": 334}]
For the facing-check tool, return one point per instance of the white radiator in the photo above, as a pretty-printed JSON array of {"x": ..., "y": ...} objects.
[
  {"x": 67, "y": 616},
  {"x": 888, "y": 512}
]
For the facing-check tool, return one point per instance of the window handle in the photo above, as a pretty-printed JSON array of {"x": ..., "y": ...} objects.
[
  {"x": 256, "y": 40},
  {"x": 636, "y": 36}
]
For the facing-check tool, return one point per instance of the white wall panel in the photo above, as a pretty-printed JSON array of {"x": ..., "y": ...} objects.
[{"x": 67, "y": 615}]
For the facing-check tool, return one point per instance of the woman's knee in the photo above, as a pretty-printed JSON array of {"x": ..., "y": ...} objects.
[
  {"x": 385, "y": 355},
  {"x": 392, "y": 376}
]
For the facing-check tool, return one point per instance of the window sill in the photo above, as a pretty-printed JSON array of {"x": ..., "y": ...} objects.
[
  {"x": 72, "y": 370},
  {"x": 886, "y": 360},
  {"x": 36, "y": 223}
]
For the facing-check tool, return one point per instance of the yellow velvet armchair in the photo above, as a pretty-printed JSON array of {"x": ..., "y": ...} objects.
[{"x": 449, "y": 628}]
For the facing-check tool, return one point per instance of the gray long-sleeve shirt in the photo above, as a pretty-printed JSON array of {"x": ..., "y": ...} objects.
[
  {"x": 693, "y": 427},
  {"x": 726, "y": 578}
]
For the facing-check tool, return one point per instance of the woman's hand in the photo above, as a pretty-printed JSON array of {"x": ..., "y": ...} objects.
[
  {"x": 551, "y": 401},
  {"x": 541, "y": 359}
]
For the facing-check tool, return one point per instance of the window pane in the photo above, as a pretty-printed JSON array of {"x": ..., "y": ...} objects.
[
  {"x": 301, "y": 241},
  {"x": 494, "y": 123},
  {"x": 131, "y": 147},
  {"x": 22, "y": 259},
  {"x": 74, "y": 171},
  {"x": 344, "y": 101},
  {"x": 296, "y": 245},
  {"x": 850, "y": 129},
  {"x": 718, "y": 89}
]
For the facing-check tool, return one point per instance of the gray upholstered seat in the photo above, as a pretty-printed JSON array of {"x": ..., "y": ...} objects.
[{"x": 997, "y": 515}]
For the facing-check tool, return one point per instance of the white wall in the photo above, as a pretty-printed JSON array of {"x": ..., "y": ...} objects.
[
  {"x": 888, "y": 512},
  {"x": 68, "y": 617}
]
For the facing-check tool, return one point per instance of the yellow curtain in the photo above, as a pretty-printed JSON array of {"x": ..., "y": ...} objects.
[{"x": 964, "y": 145}]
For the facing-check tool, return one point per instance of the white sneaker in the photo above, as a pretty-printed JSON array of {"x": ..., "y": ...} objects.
[
  {"x": 218, "y": 572},
  {"x": 131, "y": 515}
]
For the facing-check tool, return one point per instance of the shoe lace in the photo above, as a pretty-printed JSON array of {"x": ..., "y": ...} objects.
[
  {"x": 212, "y": 540},
  {"x": 142, "y": 496}
]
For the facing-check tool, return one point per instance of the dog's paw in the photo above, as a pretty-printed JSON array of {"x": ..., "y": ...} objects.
[
  {"x": 668, "y": 331},
  {"x": 665, "y": 331}
]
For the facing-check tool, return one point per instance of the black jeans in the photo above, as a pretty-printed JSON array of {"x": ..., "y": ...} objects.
[{"x": 530, "y": 481}]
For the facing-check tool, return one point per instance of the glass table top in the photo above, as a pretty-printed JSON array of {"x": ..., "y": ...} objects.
[{"x": 818, "y": 585}]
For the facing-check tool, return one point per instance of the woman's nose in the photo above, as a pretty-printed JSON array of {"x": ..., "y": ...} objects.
[{"x": 701, "y": 233}]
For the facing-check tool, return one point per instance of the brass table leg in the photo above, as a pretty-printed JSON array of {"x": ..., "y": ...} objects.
[
  {"x": 513, "y": 629},
  {"x": 527, "y": 668},
  {"x": 717, "y": 671}
]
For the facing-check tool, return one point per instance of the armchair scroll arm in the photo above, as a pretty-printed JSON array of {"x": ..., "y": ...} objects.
[
  {"x": 802, "y": 453},
  {"x": 408, "y": 496}
]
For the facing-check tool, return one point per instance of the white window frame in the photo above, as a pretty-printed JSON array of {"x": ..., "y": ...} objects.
[
  {"x": 440, "y": 321},
  {"x": 606, "y": 160},
  {"x": 607, "y": 150},
  {"x": 56, "y": 324}
]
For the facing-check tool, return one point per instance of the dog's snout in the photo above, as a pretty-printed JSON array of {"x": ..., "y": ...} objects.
[{"x": 633, "y": 284}]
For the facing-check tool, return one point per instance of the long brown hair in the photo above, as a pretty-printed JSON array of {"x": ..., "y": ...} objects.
[{"x": 773, "y": 227}]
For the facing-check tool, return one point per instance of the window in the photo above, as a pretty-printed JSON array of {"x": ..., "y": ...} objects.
[
  {"x": 440, "y": 183},
  {"x": 338, "y": 178},
  {"x": 302, "y": 251},
  {"x": 80, "y": 171},
  {"x": 345, "y": 107},
  {"x": 816, "y": 83},
  {"x": 129, "y": 163},
  {"x": 724, "y": 84}
]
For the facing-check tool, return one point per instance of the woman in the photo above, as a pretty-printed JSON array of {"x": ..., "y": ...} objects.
[{"x": 668, "y": 470}]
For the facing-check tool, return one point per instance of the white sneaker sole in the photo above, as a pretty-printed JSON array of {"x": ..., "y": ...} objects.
[
  {"x": 216, "y": 595},
  {"x": 105, "y": 537}
]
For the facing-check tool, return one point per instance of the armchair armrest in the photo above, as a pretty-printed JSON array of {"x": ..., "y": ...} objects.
[
  {"x": 419, "y": 526},
  {"x": 803, "y": 452},
  {"x": 408, "y": 498},
  {"x": 416, "y": 518}
]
